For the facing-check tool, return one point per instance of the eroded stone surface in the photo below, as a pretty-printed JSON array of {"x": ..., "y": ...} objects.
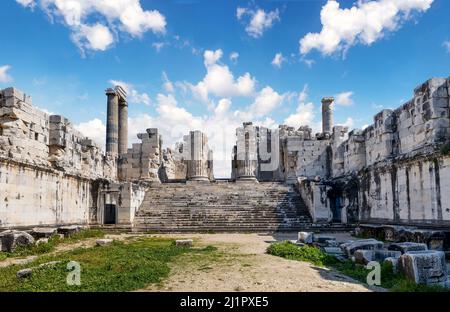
[
  {"x": 349, "y": 248},
  {"x": 424, "y": 267},
  {"x": 366, "y": 256},
  {"x": 407, "y": 247},
  {"x": 12, "y": 239}
]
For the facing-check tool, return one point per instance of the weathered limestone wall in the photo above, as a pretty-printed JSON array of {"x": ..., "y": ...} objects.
[
  {"x": 315, "y": 197},
  {"x": 32, "y": 195},
  {"x": 407, "y": 191},
  {"x": 49, "y": 172}
]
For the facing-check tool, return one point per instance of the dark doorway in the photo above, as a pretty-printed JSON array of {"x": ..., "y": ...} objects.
[
  {"x": 335, "y": 196},
  {"x": 110, "y": 214}
]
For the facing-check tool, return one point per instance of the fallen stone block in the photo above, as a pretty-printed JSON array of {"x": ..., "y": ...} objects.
[
  {"x": 434, "y": 239},
  {"x": 365, "y": 256},
  {"x": 407, "y": 236},
  {"x": 42, "y": 241},
  {"x": 38, "y": 233},
  {"x": 69, "y": 230},
  {"x": 392, "y": 233},
  {"x": 349, "y": 248},
  {"x": 407, "y": 247},
  {"x": 371, "y": 230},
  {"x": 11, "y": 239},
  {"x": 104, "y": 242},
  {"x": 306, "y": 237},
  {"x": 24, "y": 273},
  {"x": 323, "y": 238},
  {"x": 424, "y": 267},
  {"x": 184, "y": 242},
  {"x": 332, "y": 243},
  {"x": 334, "y": 251}
]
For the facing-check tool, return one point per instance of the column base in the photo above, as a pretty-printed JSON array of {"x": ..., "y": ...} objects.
[
  {"x": 247, "y": 179},
  {"x": 198, "y": 179}
]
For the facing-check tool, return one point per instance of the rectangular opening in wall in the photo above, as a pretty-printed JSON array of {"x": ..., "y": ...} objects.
[{"x": 110, "y": 214}]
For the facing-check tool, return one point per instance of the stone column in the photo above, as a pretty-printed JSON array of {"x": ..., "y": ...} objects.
[
  {"x": 197, "y": 164},
  {"x": 247, "y": 158},
  {"x": 112, "y": 122},
  {"x": 123, "y": 126},
  {"x": 327, "y": 115}
]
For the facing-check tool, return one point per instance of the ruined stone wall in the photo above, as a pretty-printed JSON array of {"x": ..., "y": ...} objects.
[
  {"x": 24, "y": 130},
  {"x": 33, "y": 195},
  {"x": 143, "y": 160},
  {"x": 49, "y": 172}
]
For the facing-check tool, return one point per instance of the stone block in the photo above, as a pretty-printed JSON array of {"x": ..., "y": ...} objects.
[
  {"x": 425, "y": 267},
  {"x": 11, "y": 239},
  {"x": 349, "y": 248},
  {"x": 69, "y": 230},
  {"x": 365, "y": 256},
  {"x": 104, "y": 242},
  {"x": 184, "y": 242},
  {"x": 408, "y": 247},
  {"x": 335, "y": 251},
  {"x": 42, "y": 241},
  {"x": 38, "y": 233},
  {"x": 323, "y": 238},
  {"x": 25, "y": 273},
  {"x": 306, "y": 237}
]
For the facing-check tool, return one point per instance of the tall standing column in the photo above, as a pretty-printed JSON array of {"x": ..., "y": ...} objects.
[
  {"x": 112, "y": 122},
  {"x": 247, "y": 158},
  {"x": 198, "y": 160},
  {"x": 327, "y": 115},
  {"x": 123, "y": 126}
]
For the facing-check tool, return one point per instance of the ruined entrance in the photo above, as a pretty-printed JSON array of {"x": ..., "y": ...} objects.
[
  {"x": 336, "y": 203},
  {"x": 110, "y": 214}
]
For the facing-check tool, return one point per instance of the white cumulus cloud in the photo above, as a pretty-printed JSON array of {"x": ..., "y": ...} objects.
[
  {"x": 94, "y": 129},
  {"x": 4, "y": 76},
  {"x": 93, "y": 21},
  {"x": 220, "y": 81},
  {"x": 133, "y": 96},
  {"x": 363, "y": 23},
  {"x": 278, "y": 60},
  {"x": 259, "y": 20},
  {"x": 447, "y": 46},
  {"x": 344, "y": 98}
]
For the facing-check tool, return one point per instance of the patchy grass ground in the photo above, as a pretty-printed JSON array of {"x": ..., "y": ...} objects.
[
  {"x": 123, "y": 266},
  {"x": 389, "y": 280},
  {"x": 53, "y": 242}
]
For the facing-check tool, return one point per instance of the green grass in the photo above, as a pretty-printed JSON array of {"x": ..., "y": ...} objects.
[
  {"x": 121, "y": 266},
  {"x": 389, "y": 280},
  {"x": 42, "y": 248}
]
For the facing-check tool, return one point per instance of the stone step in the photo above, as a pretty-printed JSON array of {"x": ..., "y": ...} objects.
[{"x": 221, "y": 207}]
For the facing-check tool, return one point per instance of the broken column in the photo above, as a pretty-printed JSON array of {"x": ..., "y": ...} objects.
[
  {"x": 246, "y": 161},
  {"x": 112, "y": 122},
  {"x": 327, "y": 114},
  {"x": 197, "y": 158},
  {"x": 123, "y": 120}
]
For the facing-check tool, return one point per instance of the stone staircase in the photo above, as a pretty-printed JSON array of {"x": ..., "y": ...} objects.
[{"x": 222, "y": 207}]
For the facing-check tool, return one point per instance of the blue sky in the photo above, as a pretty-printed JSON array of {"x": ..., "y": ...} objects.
[{"x": 213, "y": 64}]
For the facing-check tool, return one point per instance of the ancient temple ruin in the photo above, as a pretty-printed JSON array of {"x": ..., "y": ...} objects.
[{"x": 395, "y": 171}]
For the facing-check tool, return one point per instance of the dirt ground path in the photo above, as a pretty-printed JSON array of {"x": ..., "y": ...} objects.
[{"x": 241, "y": 264}]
